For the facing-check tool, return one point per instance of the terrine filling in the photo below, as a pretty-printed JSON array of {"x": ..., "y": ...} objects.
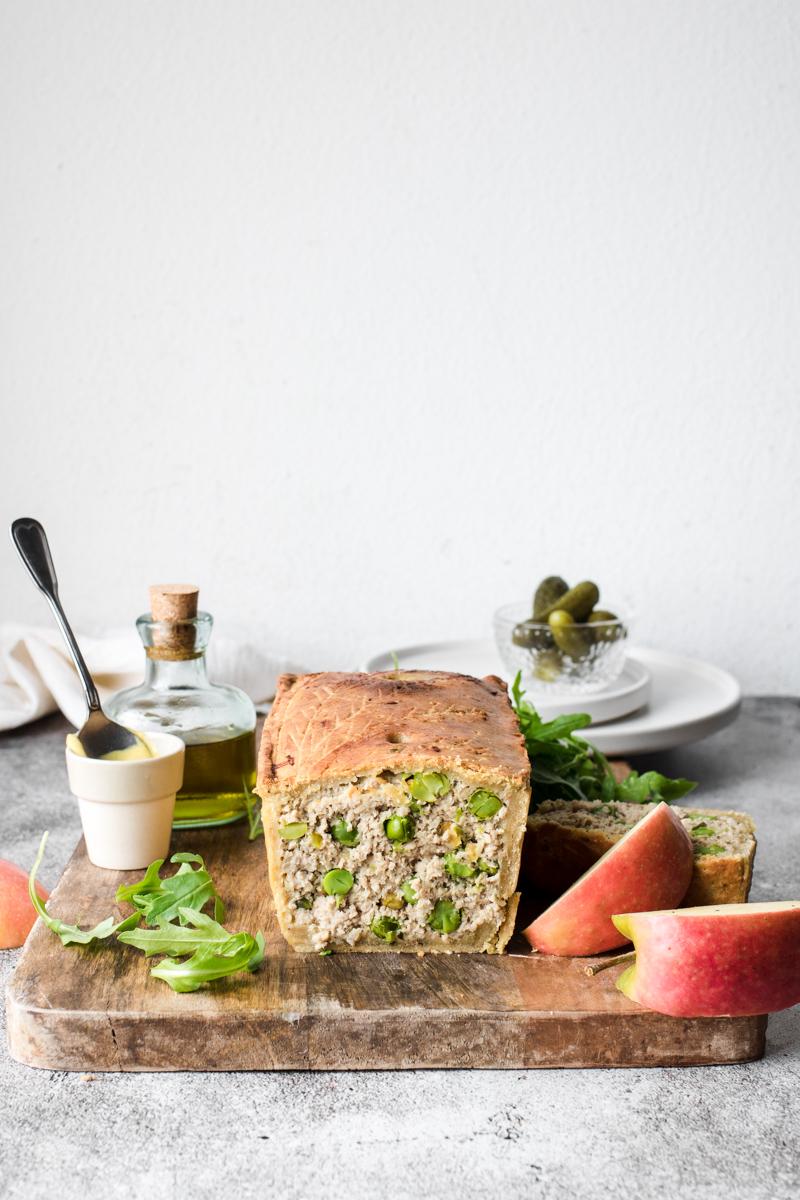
[{"x": 393, "y": 857}]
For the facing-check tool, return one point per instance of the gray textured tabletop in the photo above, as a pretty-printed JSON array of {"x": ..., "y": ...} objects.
[{"x": 702, "y": 1132}]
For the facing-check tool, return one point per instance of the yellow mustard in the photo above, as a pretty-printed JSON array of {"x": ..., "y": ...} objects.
[{"x": 140, "y": 749}]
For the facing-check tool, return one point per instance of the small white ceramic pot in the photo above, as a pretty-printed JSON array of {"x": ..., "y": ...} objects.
[{"x": 126, "y": 807}]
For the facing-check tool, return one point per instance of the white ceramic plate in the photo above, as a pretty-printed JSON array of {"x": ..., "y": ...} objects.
[{"x": 689, "y": 699}]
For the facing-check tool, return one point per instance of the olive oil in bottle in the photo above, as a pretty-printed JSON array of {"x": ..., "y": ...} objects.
[
  {"x": 216, "y": 777},
  {"x": 215, "y": 721}
]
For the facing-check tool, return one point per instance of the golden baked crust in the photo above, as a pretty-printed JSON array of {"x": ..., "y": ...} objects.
[{"x": 334, "y": 726}]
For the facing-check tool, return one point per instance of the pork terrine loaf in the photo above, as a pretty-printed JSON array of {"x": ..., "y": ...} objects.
[
  {"x": 566, "y": 838},
  {"x": 394, "y": 809}
]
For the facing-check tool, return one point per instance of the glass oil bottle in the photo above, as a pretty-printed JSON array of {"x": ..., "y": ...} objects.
[{"x": 216, "y": 722}]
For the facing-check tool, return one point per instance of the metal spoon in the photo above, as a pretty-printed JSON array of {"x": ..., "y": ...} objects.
[{"x": 99, "y": 735}]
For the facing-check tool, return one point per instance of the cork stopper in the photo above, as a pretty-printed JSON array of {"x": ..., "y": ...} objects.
[
  {"x": 174, "y": 607},
  {"x": 173, "y": 601}
]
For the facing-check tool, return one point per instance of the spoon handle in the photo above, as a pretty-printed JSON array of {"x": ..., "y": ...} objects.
[{"x": 31, "y": 541}]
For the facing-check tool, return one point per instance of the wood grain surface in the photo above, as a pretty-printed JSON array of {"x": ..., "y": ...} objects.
[{"x": 80, "y": 1009}]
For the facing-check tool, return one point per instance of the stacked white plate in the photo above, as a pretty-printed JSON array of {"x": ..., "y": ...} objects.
[{"x": 660, "y": 701}]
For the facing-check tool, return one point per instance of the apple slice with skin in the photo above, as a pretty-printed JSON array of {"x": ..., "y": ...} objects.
[
  {"x": 722, "y": 960},
  {"x": 17, "y": 914},
  {"x": 651, "y": 867}
]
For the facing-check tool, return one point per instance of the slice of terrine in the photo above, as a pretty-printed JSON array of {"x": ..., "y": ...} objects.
[{"x": 394, "y": 809}]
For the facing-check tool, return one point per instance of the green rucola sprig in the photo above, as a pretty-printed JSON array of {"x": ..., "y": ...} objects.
[
  {"x": 72, "y": 935},
  {"x": 565, "y": 766},
  {"x": 198, "y": 948}
]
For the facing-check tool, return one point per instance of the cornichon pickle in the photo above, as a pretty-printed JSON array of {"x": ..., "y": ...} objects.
[
  {"x": 531, "y": 636},
  {"x": 546, "y": 594},
  {"x": 549, "y": 665},
  {"x": 574, "y": 642},
  {"x": 578, "y": 601},
  {"x": 606, "y": 632}
]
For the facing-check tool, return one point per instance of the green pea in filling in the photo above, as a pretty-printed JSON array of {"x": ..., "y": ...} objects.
[
  {"x": 457, "y": 868},
  {"x": 484, "y": 805},
  {"x": 445, "y": 917},
  {"x": 344, "y": 834},
  {"x": 426, "y": 786},
  {"x": 385, "y": 928},
  {"x": 337, "y": 882},
  {"x": 293, "y": 831},
  {"x": 399, "y": 829}
]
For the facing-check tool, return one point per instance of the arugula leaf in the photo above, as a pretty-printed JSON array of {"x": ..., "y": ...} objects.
[
  {"x": 242, "y": 952},
  {"x": 200, "y": 949},
  {"x": 252, "y": 803},
  {"x": 671, "y": 789},
  {"x": 565, "y": 766},
  {"x": 197, "y": 932},
  {"x": 213, "y": 951},
  {"x": 70, "y": 934},
  {"x": 160, "y": 900},
  {"x": 652, "y": 787},
  {"x": 145, "y": 887},
  {"x": 544, "y": 774}
]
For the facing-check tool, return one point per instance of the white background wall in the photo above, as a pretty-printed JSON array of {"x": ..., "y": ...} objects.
[{"x": 366, "y": 314}]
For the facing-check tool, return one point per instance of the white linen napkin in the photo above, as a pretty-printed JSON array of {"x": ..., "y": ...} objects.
[{"x": 37, "y": 675}]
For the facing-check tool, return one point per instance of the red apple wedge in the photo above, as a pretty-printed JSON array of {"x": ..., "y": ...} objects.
[
  {"x": 651, "y": 867},
  {"x": 722, "y": 960},
  {"x": 17, "y": 914}
]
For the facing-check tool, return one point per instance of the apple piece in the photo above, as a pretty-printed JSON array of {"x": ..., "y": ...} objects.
[
  {"x": 720, "y": 960},
  {"x": 17, "y": 914},
  {"x": 650, "y": 866}
]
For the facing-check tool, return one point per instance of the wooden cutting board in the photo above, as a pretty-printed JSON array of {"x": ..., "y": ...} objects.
[{"x": 78, "y": 1009}]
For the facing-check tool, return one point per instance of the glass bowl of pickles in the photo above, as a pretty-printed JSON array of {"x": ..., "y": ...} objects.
[{"x": 565, "y": 641}]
